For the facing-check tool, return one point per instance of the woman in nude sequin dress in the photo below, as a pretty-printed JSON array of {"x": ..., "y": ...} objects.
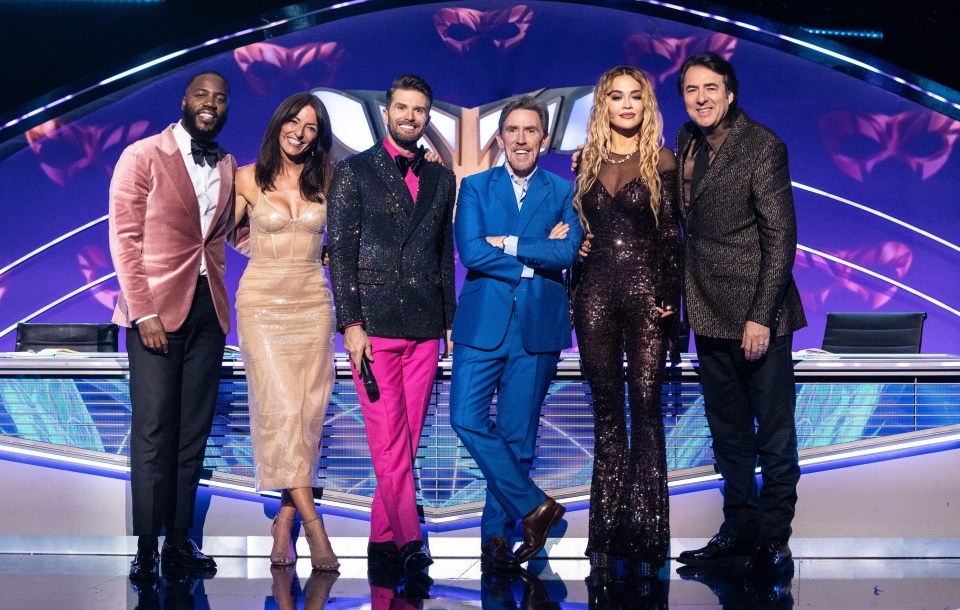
[
  {"x": 626, "y": 298},
  {"x": 285, "y": 317}
]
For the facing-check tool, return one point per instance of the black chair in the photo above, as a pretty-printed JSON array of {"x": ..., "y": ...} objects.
[
  {"x": 874, "y": 333},
  {"x": 77, "y": 337}
]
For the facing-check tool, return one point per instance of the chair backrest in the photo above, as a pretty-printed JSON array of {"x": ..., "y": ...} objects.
[
  {"x": 874, "y": 333},
  {"x": 78, "y": 337}
]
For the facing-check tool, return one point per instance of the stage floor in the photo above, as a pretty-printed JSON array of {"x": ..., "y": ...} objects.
[{"x": 82, "y": 582}]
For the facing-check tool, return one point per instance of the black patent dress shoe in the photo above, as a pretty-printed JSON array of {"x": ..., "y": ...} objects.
[
  {"x": 148, "y": 594},
  {"x": 145, "y": 566},
  {"x": 497, "y": 555},
  {"x": 535, "y": 595},
  {"x": 415, "y": 556},
  {"x": 383, "y": 555},
  {"x": 415, "y": 587},
  {"x": 186, "y": 557},
  {"x": 721, "y": 551},
  {"x": 770, "y": 557}
]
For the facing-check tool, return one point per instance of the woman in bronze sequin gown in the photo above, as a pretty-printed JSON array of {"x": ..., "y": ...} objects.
[
  {"x": 285, "y": 317},
  {"x": 626, "y": 299}
]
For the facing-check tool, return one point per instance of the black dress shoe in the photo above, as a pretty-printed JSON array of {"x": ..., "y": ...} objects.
[
  {"x": 415, "y": 587},
  {"x": 186, "y": 557},
  {"x": 383, "y": 555},
  {"x": 145, "y": 566},
  {"x": 721, "y": 551},
  {"x": 534, "y": 593},
  {"x": 384, "y": 577},
  {"x": 770, "y": 557},
  {"x": 497, "y": 555},
  {"x": 148, "y": 594},
  {"x": 415, "y": 556},
  {"x": 536, "y": 527}
]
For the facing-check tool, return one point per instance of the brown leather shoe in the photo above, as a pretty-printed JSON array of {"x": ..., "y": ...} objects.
[
  {"x": 497, "y": 555},
  {"x": 536, "y": 527}
]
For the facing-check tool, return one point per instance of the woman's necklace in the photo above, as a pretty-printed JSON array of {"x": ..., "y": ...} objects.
[{"x": 607, "y": 158}]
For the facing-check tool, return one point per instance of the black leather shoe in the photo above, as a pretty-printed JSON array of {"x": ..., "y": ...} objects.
[
  {"x": 186, "y": 557},
  {"x": 735, "y": 590},
  {"x": 536, "y": 527},
  {"x": 497, "y": 555},
  {"x": 769, "y": 557},
  {"x": 721, "y": 551},
  {"x": 415, "y": 556},
  {"x": 182, "y": 590},
  {"x": 145, "y": 566},
  {"x": 383, "y": 555},
  {"x": 534, "y": 593},
  {"x": 415, "y": 587},
  {"x": 384, "y": 577},
  {"x": 148, "y": 594}
]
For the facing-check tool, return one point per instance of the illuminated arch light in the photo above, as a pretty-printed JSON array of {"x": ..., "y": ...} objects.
[
  {"x": 878, "y": 276},
  {"x": 576, "y": 131},
  {"x": 53, "y": 304},
  {"x": 806, "y": 45},
  {"x": 51, "y": 243},
  {"x": 879, "y": 214},
  {"x": 346, "y": 111},
  {"x": 350, "y": 3}
]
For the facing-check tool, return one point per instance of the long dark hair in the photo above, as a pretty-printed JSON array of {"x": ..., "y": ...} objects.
[{"x": 317, "y": 168}]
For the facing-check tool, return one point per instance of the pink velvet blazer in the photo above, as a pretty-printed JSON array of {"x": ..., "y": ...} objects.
[{"x": 155, "y": 237}]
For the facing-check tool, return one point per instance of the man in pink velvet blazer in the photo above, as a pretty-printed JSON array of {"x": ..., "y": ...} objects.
[{"x": 170, "y": 204}]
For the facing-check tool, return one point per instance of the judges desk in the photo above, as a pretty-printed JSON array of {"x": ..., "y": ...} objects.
[{"x": 76, "y": 408}]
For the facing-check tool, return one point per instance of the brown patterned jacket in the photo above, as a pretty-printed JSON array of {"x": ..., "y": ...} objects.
[{"x": 740, "y": 235}]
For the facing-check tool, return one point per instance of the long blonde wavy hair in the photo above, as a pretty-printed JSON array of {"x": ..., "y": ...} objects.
[{"x": 649, "y": 139}]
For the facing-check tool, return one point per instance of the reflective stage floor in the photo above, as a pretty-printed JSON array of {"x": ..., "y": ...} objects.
[{"x": 82, "y": 582}]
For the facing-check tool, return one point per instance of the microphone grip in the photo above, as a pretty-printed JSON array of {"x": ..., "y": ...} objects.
[{"x": 369, "y": 381}]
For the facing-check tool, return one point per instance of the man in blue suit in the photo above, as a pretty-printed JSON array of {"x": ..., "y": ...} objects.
[{"x": 516, "y": 231}]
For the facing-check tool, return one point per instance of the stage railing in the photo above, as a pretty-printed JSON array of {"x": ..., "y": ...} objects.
[{"x": 82, "y": 402}]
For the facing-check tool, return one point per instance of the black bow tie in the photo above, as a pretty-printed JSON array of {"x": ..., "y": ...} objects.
[
  {"x": 414, "y": 163},
  {"x": 208, "y": 153}
]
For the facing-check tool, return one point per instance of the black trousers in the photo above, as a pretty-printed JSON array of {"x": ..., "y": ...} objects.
[
  {"x": 173, "y": 397},
  {"x": 737, "y": 393}
]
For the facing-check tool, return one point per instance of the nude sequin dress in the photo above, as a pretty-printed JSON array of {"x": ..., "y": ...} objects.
[{"x": 286, "y": 326}]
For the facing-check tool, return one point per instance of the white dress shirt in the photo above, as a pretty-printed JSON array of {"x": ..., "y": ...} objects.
[
  {"x": 520, "y": 191},
  {"x": 206, "y": 185}
]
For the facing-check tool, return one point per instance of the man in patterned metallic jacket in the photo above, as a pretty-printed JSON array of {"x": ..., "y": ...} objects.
[{"x": 743, "y": 306}]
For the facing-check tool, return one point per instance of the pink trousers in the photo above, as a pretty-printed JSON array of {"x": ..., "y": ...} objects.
[{"x": 405, "y": 371}]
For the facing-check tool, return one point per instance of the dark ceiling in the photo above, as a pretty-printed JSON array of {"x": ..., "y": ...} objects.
[{"x": 48, "y": 44}]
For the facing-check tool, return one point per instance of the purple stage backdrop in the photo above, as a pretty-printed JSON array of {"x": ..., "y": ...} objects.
[{"x": 876, "y": 177}]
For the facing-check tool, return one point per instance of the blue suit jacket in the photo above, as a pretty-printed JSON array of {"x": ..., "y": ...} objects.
[{"x": 487, "y": 205}]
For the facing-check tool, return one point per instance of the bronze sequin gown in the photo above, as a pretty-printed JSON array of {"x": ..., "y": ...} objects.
[
  {"x": 286, "y": 327},
  {"x": 631, "y": 263}
]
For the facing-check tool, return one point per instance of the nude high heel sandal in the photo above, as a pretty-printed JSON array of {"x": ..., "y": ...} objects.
[
  {"x": 284, "y": 551},
  {"x": 321, "y": 554}
]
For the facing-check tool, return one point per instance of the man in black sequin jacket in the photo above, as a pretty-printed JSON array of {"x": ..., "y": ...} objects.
[{"x": 392, "y": 271}]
